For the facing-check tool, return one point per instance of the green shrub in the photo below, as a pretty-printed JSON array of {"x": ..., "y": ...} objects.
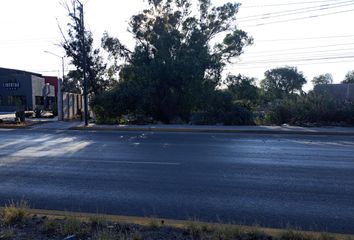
[
  {"x": 50, "y": 227},
  {"x": 73, "y": 226},
  {"x": 310, "y": 109},
  {"x": 7, "y": 235}
]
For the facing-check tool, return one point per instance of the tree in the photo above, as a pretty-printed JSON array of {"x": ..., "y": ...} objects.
[
  {"x": 323, "y": 79},
  {"x": 174, "y": 65},
  {"x": 282, "y": 82},
  {"x": 349, "y": 77},
  {"x": 74, "y": 48},
  {"x": 242, "y": 87}
]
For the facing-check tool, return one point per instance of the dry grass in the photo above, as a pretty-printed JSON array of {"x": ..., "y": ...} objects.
[
  {"x": 15, "y": 212},
  {"x": 73, "y": 226},
  {"x": 7, "y": 235},
  {"x": 97, "y": 221},
  {"x": 50, "y": 227}
]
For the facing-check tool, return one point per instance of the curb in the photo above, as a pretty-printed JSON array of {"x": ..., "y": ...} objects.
[
  {"x": 203, "y": 130},
  {"x": 146, "y": 221},
  {"x": 27, "y": 125}
]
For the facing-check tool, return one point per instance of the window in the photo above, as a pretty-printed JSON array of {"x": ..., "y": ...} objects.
[{"x": 13, "y": 101}]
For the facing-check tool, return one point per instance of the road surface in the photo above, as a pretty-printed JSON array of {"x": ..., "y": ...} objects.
[{"x": 274, "y": 181}]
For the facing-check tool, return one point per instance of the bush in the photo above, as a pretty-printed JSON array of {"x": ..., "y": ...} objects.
[
  {"x": 50, "y": 227},
  {"x": 15, "y": 212},
  {"x": 310, "y": 109},
  {"x": 72, "y": 226},
  {"x": 219, "y": 109}
]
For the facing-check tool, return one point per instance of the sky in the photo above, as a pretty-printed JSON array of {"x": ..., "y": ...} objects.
[{"x": 317, "y": 36}]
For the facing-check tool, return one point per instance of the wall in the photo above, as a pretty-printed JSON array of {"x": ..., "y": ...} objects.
[
  {"x": 72, "y": 105},
  {"x": 24, "y": 89}
]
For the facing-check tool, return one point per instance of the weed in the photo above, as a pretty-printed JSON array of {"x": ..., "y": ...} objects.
[
  {"x": 226, "y": 232},
  {"x": 97, "y": 221},
  {"x": 195, "y": 230},
  {"x": 72, "y": 226},
  {"x": 136, "y": 236},
  {"x": 296, "y": 235},
  {"x": 15, "y": 212},
  {"x": 153, "y": 223},
  {"x": 7, "y": 235},
  {"x": 326, "y": 236},
  {"x": 50, "y": 227},
  {"x": 105, "y": 235}
]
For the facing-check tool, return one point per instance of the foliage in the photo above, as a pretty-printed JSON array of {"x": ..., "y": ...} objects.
[
  {"x": 74, "y": 48},
  {"x": 220, "y": 109},
  {"x": 71, "y": 85},
  {"x": 242, "y": 88},
  {"x": 311, "y": 108},
  {"x": 72, "y": 226},
  {"x": 15, "y": 212},
  {"x": 174, "y": 64},
  {"x": 50, "y": 226},
  {"x": 282, "y": 82},
  {"x": 323, "y": 79},
  {"x": 349, "y": 77}
]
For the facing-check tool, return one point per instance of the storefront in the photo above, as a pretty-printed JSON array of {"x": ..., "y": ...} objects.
[{"x": 25, "y": 90}]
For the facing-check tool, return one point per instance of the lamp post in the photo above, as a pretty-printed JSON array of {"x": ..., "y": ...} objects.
[{"x": 60, "y": 94}]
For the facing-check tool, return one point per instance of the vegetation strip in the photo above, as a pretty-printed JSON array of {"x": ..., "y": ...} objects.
[{"x": 18, "y": 221}]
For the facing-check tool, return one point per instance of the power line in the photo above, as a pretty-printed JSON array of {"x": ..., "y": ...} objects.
[
  {"x": 295, "y": 60},
  {"x": 298, "y": 53},
  {"x": 297, "y": 11},
  {"x": 300, "y": 39},
  {"x": 294, "y": 13},
  {"x": 285, "y": 4},
  {"x": 297, "y": 19},
  {"x": 310, "y": 47},
  {"x": 275, "y": 64}
]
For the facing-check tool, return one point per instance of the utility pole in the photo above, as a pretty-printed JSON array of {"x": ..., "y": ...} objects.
[
  {"x": 82, "y": 23},
  {"x": 60, "y": 94}
]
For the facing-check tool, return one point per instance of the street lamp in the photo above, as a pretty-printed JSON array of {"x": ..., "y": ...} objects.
[{"x": 60, "y": 95}]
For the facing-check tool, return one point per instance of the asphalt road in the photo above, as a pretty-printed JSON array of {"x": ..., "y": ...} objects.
[{"x": 269, "y": 180}]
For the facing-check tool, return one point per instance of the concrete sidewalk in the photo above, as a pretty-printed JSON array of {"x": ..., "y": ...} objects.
[{"x": 348, "y": 131}]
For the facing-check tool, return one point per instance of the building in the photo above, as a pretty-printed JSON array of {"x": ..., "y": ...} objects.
[
  {"x": 341, "y": 92},
  {"x": 26, "y": 90}
]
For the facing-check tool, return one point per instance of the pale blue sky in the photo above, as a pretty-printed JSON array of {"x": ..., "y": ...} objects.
[{"x": 28, "y": 28}]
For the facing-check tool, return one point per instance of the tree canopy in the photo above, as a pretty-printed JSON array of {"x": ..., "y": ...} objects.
[
  {"x": 283, "y": 82},
  {"x": 73, "y": 45},
  {"x": 242, "y": 87},
  {"x": 322, "y": 79},
  {"x": 179, "y": 55},
  {"x": 349, "y": 77}
]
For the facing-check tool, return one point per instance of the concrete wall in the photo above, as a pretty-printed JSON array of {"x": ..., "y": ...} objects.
[
  {"x": 37, "y": 89},
  {"x": 72, "y": 105}
]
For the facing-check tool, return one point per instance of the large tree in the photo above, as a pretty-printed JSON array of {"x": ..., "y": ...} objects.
[
  {"x": 349, "y": 77},
  {"x": 282, "y": 82},
  {"x": 322, "y": 79},
  {"x": 242, "y": 87},
  {"x": 179, "y": 55},
  {"x": 73, "y": 45}
]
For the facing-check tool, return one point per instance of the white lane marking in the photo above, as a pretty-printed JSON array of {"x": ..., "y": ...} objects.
[{"x": 11, "y": 159}]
